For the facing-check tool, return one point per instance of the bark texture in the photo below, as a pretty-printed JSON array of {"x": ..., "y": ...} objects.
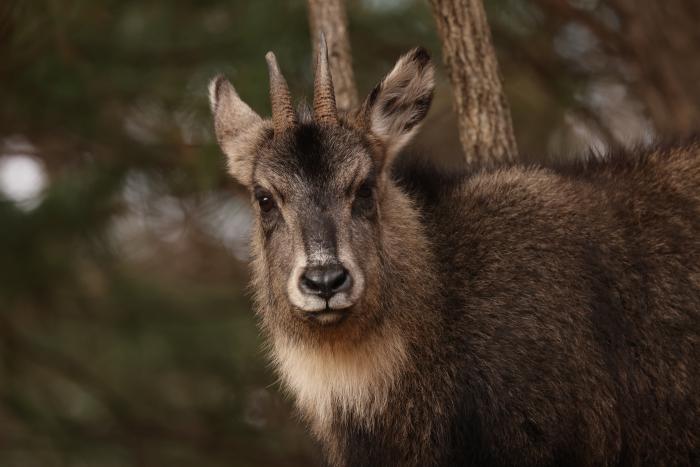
[
  {"x": 484, "y": 121},
  {"x": 329, "y": 17}
]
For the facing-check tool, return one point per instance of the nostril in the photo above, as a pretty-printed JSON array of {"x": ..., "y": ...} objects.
[
  {"x": 310, "y": 284},
  {"x": 340, "y": 280},
  {"x": 325, "y": 281}
]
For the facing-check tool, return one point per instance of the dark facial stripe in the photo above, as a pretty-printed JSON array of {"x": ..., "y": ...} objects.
[{"x": 318, "y": 232}]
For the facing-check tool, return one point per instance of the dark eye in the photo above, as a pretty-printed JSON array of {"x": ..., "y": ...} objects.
[
  {"x": 265, "y": 200},
  {"x": 365, "y": 190},
  {"x": 266, "y": 203},
  {"x": 364, "y": 204}
]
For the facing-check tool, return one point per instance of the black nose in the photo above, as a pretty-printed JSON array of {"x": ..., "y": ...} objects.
[{"x": 325, "y": 281}]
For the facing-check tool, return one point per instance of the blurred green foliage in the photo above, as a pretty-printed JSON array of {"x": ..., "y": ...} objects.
[{"x": 126, "y": 335}]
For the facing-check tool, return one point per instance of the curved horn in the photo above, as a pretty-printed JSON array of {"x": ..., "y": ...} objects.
[
  {"x": 283, "y": 115},
  {"x": 325, "y": 110}
]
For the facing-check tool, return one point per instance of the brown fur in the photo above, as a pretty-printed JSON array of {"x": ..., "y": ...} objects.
[{"x": 513, "y": 316}]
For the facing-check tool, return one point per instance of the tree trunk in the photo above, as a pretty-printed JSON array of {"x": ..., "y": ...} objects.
[
  {"x": 484, "y": 122},
  {"x": 329, "y": 17}
]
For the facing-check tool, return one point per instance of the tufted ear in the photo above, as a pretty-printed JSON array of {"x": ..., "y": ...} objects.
[
  {"x": 238, "y": 128},
  {"x": 398, "y": 104}
]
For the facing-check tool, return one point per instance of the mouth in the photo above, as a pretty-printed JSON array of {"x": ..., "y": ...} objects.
[{"x": 327, "y": 316}]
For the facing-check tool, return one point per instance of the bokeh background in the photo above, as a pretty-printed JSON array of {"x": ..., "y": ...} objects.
[{"x": 126, "y": 333}]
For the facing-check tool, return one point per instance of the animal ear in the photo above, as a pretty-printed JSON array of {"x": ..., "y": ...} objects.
[
  {"x": 397, "y": 105},
  {"x": 237, "y": 126}
]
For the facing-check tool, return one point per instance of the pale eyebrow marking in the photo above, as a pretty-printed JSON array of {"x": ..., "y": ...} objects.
[{"x": 358, "y": 177}]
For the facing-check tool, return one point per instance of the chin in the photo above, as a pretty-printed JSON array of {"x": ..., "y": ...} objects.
[
  {"x": 335, "y": 327},
  {"x": 328, "y": 317}
]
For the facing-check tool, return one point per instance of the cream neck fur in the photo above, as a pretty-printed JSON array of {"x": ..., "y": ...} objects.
[{"x": 328, "y": 380}]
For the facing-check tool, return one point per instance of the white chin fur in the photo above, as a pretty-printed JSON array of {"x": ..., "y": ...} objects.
[
  {"x": 340, "y": 301},
  {"x": 311, "y": 303}
]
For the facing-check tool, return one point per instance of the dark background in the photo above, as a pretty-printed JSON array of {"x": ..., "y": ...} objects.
[{"x": 126, "y": 334}]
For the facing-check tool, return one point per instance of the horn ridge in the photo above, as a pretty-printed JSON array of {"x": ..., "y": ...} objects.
[
  {"x": 325, "y": 110},
  {"x": 283, "y": 115}
]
